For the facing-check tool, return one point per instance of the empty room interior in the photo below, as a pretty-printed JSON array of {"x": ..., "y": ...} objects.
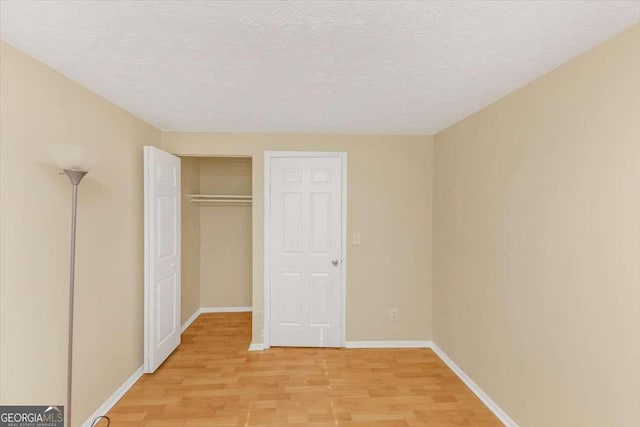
[{"x": 319, "y": 213}]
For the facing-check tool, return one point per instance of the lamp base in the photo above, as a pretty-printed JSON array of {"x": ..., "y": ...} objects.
[{"x": 75, "y": 176}]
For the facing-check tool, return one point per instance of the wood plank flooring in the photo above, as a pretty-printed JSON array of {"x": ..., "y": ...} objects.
[{"x": 212, "y": 380}]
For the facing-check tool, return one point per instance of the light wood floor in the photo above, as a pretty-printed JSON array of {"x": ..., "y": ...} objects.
[{"x": 212, "y": 380}]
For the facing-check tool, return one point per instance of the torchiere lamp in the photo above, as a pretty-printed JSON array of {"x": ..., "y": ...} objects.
[{"x": 74, "y": 161}]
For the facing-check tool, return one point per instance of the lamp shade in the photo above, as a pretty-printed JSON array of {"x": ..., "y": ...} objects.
[{"x": 73, "y": 156}]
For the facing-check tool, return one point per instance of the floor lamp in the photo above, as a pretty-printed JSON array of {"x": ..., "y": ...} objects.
[
  {"x": 75, "y": 176},
  {"x": 74, "y": 161}
]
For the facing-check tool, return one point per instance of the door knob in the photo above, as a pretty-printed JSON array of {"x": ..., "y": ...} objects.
[{"x": 335, "y": 262}]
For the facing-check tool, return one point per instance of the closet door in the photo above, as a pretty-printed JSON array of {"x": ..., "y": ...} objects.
[
  {"x": 306, "y": 261},
  {"x": 162, "y": 256}
]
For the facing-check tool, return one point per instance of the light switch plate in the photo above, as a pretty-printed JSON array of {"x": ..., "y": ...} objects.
[{"x": 356, "y": 238}]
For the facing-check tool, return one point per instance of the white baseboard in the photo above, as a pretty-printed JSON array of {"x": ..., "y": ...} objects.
[
  {"x": 388, "y": 344},
  {"x": 256, "y": 347},
  {"x": 484, "y": 397},
  {"x": 117, "y": 395},
  {"x": 190, "y": 320},
  {"x": 225, "y": 309}
]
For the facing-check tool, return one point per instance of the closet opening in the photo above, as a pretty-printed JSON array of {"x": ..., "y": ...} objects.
[{"x": 216, "y": 224}]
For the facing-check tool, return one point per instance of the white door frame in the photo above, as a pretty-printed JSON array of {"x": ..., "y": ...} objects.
[{"x": 268, "y": 155}]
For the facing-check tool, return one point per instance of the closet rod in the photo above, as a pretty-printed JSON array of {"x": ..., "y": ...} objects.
[
  {"x": 240, "y": 202},
  {"x": 220, "y": 198}
]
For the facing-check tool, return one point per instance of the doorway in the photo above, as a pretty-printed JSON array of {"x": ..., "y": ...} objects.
[{"x": 198, "y": 244}]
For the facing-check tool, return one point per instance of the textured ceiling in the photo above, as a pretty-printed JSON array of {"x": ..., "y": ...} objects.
[{"x": 310, "y": 67}]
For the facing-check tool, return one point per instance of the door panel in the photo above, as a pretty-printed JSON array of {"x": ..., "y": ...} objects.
[
  {"x": 320, "y": 299},
  {"x": 305, "y": 221},
  {"x": 291, "y": 304},
  {"x": 166, "y": 295},
  {"x": 320, "y": 223},
  {"x": 291, "y": 222},
  {"x": 162, "y": 256}
]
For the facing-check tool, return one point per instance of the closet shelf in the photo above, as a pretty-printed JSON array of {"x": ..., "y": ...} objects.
[{"x": 220, "y": 198}]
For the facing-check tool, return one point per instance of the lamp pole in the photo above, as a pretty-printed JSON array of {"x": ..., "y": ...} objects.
[{"x": 75, "y": 176}]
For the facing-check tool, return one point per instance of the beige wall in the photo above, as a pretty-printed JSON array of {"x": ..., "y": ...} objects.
[
  {"x": 537, "y": 243},
  {"x": 226, "y": 256},
  {"x": 190, "y": 295},
  {"x": 39, "y": 106},
  {"x": 225, "y": 245},
  {"x": 389, "y": 203}
]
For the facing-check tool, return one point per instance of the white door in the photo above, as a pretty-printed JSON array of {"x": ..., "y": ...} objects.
[
  {"x": 161, "y": 255},
  {"x": 306, "y": 258}
]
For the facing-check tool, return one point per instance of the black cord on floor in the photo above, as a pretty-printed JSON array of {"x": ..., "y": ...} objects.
[{"x": 100, "y": 418}]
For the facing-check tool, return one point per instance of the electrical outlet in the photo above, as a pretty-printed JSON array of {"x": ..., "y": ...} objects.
[
  {"x": 393, "y": 314},
  {"x": 356, "y": 238}
]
